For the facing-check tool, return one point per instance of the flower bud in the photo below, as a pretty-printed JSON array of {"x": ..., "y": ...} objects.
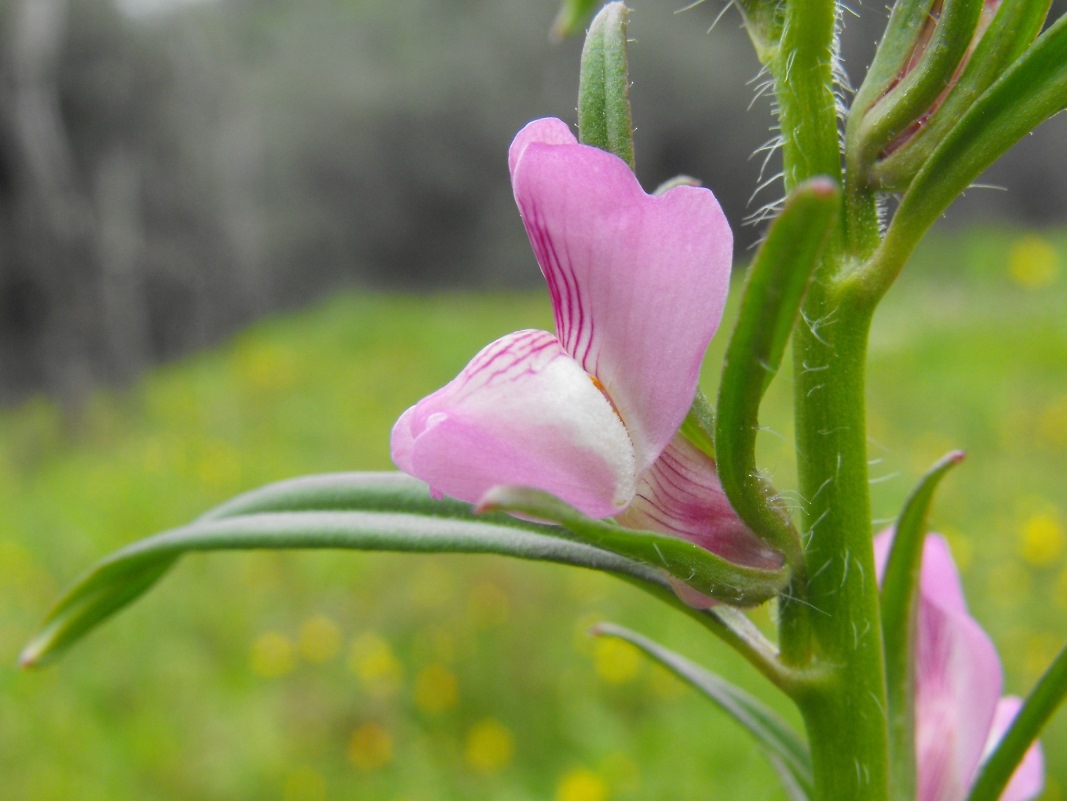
[
  {"x": 926, "y": 44},
  {"x": 1005, "y": 29},
  {"x": 936, "y": 59}
]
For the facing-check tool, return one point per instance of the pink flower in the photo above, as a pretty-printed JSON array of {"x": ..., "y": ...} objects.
[
  {"x": 638, "y": 283},
  {"x": 959, "y": 714}
]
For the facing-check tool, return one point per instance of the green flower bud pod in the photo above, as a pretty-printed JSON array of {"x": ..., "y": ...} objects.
[
  {"x": 958, "y": 48},
  {"x": 924, "y": 45},
  {"x": 1005, "y": 30}
]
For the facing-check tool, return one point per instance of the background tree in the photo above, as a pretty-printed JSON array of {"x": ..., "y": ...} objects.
[{"x": 168, "y": 175}]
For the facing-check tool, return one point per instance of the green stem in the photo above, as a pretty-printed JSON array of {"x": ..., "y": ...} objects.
[
  {"x": 846, "y": 719},
  {"x": 862, "y": 222},
  {"x": 804, "y": 84},
  {"x": 802, "y": 68},
  {"x": 838, "y": 628}
]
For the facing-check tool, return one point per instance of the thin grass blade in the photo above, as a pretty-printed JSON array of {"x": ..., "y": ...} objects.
[{"x": 783, "y": 747}]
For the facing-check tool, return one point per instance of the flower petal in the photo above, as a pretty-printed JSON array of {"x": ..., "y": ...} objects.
[
  {"x": 957, "y": 687},
  {"x": 1029, "y": 778},
  {"x": 638, "y": 282},
  {"x": 522, "y": 412},
  {"x": 681, "y": 495},
  {"x": 545, "y": 131},
  {"x": 939, "y": 581},
  {"x": 958, "y": 676}
]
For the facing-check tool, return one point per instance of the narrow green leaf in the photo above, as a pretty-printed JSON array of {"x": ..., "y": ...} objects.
[
  {"x": 338, "y": 492},
  {"x": 604, "y": 118},
  {"x": 900, "y": 589},
  {"x": 708, "y": 573},
  {"x": 777, "y": 281},
  {"x": 397, "y": 515},
  {"x": 783, "y": 747},
  {"x": 1035, "y": 712},
  {"x": 93, "y": 600}
]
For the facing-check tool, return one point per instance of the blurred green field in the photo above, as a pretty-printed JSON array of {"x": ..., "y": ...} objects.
[{"x": 303, "y": 677}]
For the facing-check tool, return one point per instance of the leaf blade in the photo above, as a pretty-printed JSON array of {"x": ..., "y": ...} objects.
[
  {"x": 339, "y": 492},
  {"x": 119, "y": 579},
  {"x": 782, "y": 746},
  {"x": 777, "y": 281}
]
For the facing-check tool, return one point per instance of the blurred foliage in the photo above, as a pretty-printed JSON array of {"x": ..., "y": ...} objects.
[
  {"x": 227, "y": 158},
  {"x": 211, "y": 161},
  {"x": 310, "y": 676}
]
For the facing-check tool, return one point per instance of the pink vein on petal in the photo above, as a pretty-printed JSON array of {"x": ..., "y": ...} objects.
[
  {"x": 637, "y": 281},
  {"x": 681, "y": 495},
  {"x": 520, "y": 349},
  {"x": 564, "y": 288},
  {"x": 522, "y": 412}
]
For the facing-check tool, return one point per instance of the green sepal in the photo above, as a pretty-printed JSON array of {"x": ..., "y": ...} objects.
[
  {"x": 905, "y": 24},
  {"x": 700, "y": 569},
  {"x": 698, "y": 428},
  {"x": 604, "y": 118},
  {"x": 896, "y": 95},
  {"x": 787, "y": 752},
  {"x": 774, "y": 290},
  {"x": 360, "y": 511},
  {"x": 1037, "y": 709},
  {"x": 1005, "y": 37},
  {"x": 699, "y": 425},
  {"x": 572, "y": 17},
  {"x": 900, "y": 590},
  {"x": 1030, "y": 91}
]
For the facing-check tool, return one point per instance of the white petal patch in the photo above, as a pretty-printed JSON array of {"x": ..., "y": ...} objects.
[{"x": 523, "y": 412}]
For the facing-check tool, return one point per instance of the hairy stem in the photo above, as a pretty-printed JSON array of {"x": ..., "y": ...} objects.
[
  {"x": 837, "y": 630},
  {"x": 847, "y": 718}
]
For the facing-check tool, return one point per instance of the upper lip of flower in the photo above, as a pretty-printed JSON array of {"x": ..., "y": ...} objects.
[{"x": 637, "y": 282}]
